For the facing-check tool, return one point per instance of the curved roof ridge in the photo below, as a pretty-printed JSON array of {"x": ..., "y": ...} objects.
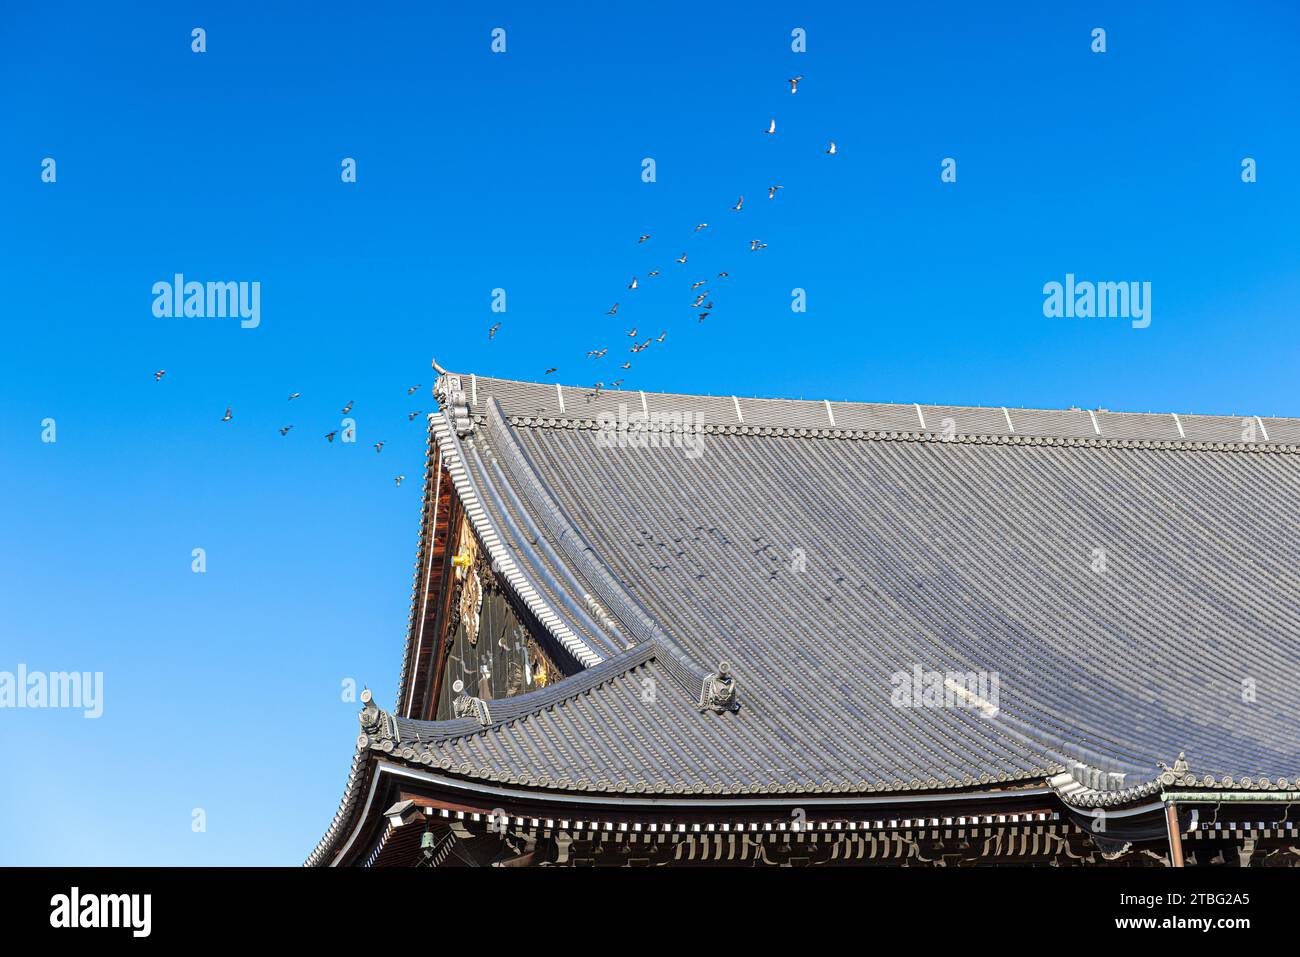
[
  {"x": 530, "y": 400},
  {"x": 503, "y": 711},
  {"x": 391, "y": 734},
  {"x": 325, "y": 847},
  {"x": 510, "y": 570},
  {"x": 1076, "y": 793},
  {"x": 621, "y": 603}
]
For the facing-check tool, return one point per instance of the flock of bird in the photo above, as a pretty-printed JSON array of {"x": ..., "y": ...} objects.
[
  {"x": 702, "y": 305},
  {"x": 348, "y": 432}
]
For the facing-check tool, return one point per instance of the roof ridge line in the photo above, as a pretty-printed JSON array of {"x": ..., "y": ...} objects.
[
  {"x": 902, "y": 405},
  {"x": 1272, "y": 446},
  {"x": 523, "y": 399},
  {"x": 506, "y": 710}
]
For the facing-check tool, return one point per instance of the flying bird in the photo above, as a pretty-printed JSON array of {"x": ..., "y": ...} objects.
[
  {"x": 699, "y": 227},
  {"x": 683, "y": 259},
  {"x": 616, "y": 383},
  {"x": 756, "y": 244},
  {"x": 551, "y": 369},
  {"x": 493, "y": 331},
  {"x": 379, "y": 446},
  {"x": 330, "y": 435},
  {"x": 644, "y": 238},
  {"x": 632, "y": 333},
  {"x": 349, "y": 435},
  {"x": 831, "y": 148},
  {"x": 626, "y": 365},
  {"x": 662, "y": 336},
  {"x": 653, "y": 272},
  {"x": 411, "y": 416},
  {"x": 771, "y": 128},
  {"x": 412, "y": 390},
  {"x": 227, "y": 417},
  {"x": 294, "y": 396},
  {"x": 632, "y": 284},
  {"x": 794, "y": 83},
  {"x": 700, "y": 300},
  {"x": 703, "y": 316},
  {"x": 285, "y": 430},
  {"x": 771, "y": 191},
  {"x": 398, "y": 480},
  {"x": 347, "y": 408},
  {"x": 697, "y": 285},
  {"x": 613, "y": 310},
  {"x": 739, "y": 203},
  {"x": 157, "y": 376},
  {"x": 723, "y": 275}
]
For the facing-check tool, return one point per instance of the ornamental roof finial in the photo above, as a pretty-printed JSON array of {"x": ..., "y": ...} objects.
[
  {"x": 375, "y": 721},
  {"x": 467, "y": 706},
  {"x": 449, "y": 390},
  {"x": 718, "y": 693}
]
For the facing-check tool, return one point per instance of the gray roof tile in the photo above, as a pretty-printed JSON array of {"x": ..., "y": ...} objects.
[{"x": 823, "y": 560}]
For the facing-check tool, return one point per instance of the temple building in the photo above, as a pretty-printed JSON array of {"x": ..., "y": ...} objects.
[{"x": 654, "y": 629}]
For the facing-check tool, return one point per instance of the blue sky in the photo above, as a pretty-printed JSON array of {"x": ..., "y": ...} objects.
[{"x": 522, "y": 171}]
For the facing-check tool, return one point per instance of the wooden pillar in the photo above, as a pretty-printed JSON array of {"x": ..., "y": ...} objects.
[{"x": 1175, "y": 837}]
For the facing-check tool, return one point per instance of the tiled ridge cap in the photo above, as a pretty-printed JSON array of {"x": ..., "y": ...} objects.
[
  {"x": 530, "y": 403},
  {"x": 974, "y": 438},
  {"x": 506, "y": 711}
]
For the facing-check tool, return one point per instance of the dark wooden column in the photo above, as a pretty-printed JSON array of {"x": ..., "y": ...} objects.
[{"x": 1175, "y": 834}]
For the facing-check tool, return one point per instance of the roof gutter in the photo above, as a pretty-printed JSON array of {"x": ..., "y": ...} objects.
[{"x": 1229, "y": 797}]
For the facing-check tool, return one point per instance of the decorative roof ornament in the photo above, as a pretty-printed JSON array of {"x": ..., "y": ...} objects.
[
  {"x": 449, "y": 390},
  {"x": 718, "y": 693},
  {"x": 467, "y": 706},
  {"x": 376, "y": 723},
  {"x": 1180, "y": 772}
]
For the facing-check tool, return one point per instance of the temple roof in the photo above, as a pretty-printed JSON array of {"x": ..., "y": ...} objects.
[{"x": 1096, "y": 593}]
